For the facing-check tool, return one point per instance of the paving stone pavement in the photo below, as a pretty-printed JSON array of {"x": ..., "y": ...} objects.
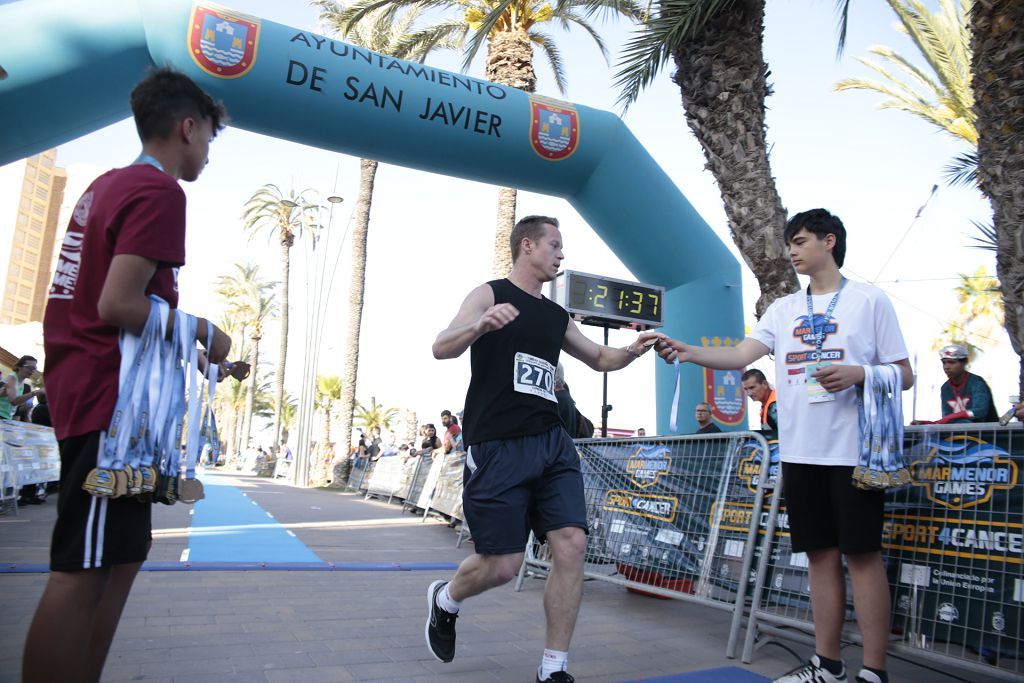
[{"x": 310, "y": 626}]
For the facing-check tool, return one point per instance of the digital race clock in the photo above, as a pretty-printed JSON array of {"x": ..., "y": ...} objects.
[{"x": 608, "y": 301}]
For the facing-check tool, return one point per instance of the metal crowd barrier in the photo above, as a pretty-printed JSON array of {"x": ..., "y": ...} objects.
[
  {"x": 953, "y": 545},
  {"x": 673, "y": 517}
]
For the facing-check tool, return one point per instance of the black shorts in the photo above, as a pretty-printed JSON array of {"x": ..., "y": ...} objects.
[
  {"x": 94, "y": 532},
  {"x": 514, "y": 485},
  {"x": 827, "y": 511}
]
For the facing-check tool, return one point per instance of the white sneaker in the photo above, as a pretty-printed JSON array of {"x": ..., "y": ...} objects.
[
  {"x": 812, "y": 672},
  {"x": 866, "y": 676}
]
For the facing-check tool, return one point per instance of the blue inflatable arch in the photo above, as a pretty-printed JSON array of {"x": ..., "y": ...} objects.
[{"x": 70, "y": 66}]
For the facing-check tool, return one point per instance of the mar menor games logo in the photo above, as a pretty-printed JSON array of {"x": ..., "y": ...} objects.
[
  {"x": 648, "y": 464},
  {"x": 554, "y": 128},
  {"x": 748, "y": 470},
  {"x": 222, "y": 43},
  {"x": 963, "y": 471},
  {"x": 804, "y": 333}
]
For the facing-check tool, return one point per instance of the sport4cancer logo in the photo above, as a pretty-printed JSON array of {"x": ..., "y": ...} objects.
[{"x": 962, "y": 471}]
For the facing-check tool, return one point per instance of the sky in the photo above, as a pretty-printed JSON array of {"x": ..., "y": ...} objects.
[{"x": 431, "y": 236}]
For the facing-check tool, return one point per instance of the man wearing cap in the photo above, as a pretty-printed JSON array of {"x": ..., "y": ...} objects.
[{"x": 965, "y": 396}]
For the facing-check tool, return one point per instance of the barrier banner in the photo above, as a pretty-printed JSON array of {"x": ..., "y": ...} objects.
[
  {"x": 386, "y": 477},
  {"x": 448, "y": 493},
  {"x": 672, "y": 511},
  {"x": 434, "y": 473},
  {"x": 954, "y": 541},
  {"x": 30, "y": 453}
]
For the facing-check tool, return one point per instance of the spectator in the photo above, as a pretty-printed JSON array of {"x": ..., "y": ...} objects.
[
  {"x": 641, "y": 432},
  {"x": 965, "y": 397},
  {"x": 374, "y": 443},
  {"x": 453, "y": 432},
  {"x": 704, "y": 423},
  {"x": 430, "y": 442},
  {"x": 566, "y": 405},
  {"x": 758, "y": 389},
  {"x": 391, "y": 448},
  {"x": 41, "y": 413},
  {"x": 11, "y": 396},
  {"x": 1018, "y": 411},
  {"x": 286, "y": 452}
]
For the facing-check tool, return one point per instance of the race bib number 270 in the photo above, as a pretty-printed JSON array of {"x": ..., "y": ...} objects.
[{"x": 534, "y": 376}]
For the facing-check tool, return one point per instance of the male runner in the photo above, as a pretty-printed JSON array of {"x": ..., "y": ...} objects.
[
  {"x": 522, "y": 470},
  {"x": 125, "y": 240},
  {"x": 822, "y": 338}
]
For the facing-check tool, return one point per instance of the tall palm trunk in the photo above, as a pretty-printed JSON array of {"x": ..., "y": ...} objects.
[
  {"x": 723, "y": 80},
  {"x": 287, "y": 240},
  {"x": 997, "y": 44},
  {"x": 250, "y": 395},
  {"x": 509, "y": 62},
  {"x": 360, "y": 233}
]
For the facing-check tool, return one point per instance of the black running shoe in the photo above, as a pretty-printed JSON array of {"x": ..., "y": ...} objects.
[
  {"x": 557, "y": 677},
  {"x": 440, "y": 628}
]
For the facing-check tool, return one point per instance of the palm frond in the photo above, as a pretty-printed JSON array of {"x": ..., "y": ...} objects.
[
  {"x": 843, "y": 24},
  {"x": 554, "y": 57},
  {"x": 574, "y": 18},
  {"x": 962, "y": 170},
  {"x": 479, "y": 36},
  {"x": 986, "y": 239},
  {"x": 650, "y": 46}
]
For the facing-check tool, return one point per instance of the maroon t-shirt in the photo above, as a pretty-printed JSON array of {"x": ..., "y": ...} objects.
[{"x": 138, "y": 210}]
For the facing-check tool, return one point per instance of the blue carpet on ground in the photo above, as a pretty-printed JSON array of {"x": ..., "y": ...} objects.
[
  {"x": 228, "y": 526},
  {"x": 726, "y": 674}
]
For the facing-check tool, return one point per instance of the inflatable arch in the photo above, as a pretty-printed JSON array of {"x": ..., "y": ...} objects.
[{"x": 68, "y": 67}]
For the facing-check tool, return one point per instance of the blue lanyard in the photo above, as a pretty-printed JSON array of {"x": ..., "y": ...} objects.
[
  {"x": 819, "y": 334},
  {"x": 149, "y": 159}
]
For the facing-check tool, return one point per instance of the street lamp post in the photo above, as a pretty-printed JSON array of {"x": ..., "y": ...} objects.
[{"x": 317, "y": 296}]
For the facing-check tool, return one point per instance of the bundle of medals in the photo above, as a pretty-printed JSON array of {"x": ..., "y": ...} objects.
[
  {"x": 881, "y": 465},
  {"x": 141, "y": 455}
]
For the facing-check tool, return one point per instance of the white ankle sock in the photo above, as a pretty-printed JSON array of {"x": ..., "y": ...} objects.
[
  {"x": 446, "y": 602},
  {"x": 552, "y": 661}
]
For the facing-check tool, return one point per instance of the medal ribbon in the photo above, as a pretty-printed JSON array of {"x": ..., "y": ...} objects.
[
  {"x": 819, "y": 335},
  {"x": 880, "y": 413},
  {"x": 673, "y": 420}
]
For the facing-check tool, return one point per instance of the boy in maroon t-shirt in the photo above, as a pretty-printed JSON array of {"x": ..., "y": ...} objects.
[{"x": 125, "y": 241}]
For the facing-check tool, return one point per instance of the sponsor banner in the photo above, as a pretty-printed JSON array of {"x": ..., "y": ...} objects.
[
  {"x": 954, "y": 539},
  {"x": 448, "y": 493},
  {"x": 386, "y": 478},
  {"x": 657, "y": 507}
]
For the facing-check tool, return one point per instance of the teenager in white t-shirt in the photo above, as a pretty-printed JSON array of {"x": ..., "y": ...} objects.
[{"x": 819, "y": 434}]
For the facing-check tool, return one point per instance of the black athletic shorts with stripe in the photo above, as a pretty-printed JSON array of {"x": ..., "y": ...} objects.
[
  {"x": 514, "y": 485},
  {"x": 826, "y": 510},
  {"x": 94, "y": 532}
]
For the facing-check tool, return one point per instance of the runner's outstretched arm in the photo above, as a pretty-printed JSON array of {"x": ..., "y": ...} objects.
[
  {"x": 606, "y": 358},
  {"x": 477, "y": 316},
  {"x": 722, "y": 358}
]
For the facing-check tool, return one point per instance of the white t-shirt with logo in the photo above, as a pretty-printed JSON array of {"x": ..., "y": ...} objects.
[{"x": 862, "y": 330}]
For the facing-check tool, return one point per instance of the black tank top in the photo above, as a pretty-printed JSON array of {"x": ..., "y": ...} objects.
[{"x": 511, "y": 391}]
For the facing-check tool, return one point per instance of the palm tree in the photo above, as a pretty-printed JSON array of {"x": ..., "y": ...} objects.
[
  {"x": 510, "y": 29},
  {"x": 374, "y": 415},
  {"x": 289, "y": 411},
  {"x": 249, "y": 300},
  {"x": 997, "y": 47},
  {"x": 941, "y": 94},
  {"x": 390, "y": 33},
  {"x": 717, "y": 49},
  {"x": 329, "y": 390},
  {"x": 997, "y": 52},
  {"x": 978, "y": 316},
  {"x": 270, "y": 210}
]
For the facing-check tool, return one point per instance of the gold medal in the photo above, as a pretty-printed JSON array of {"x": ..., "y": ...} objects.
[
  {"x": 148, "y": 479},
  {"x": 190, "y": 490},
  {"x": 120, "y": 483},
  {"x": 100, "y": 483}
]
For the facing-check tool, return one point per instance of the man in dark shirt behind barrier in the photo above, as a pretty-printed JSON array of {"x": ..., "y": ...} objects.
[{"x": 522, "y": 470}]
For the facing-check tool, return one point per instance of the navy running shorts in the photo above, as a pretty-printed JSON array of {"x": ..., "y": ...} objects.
[{"x": 514, "y": 485}]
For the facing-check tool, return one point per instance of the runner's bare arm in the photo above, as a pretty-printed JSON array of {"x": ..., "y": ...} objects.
[
  {"x": 477, "y": 316},
  {"x": 722, "y": 358},
  {"x": 123, "y": 302},
  {"x": 605, "y": 358}
]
